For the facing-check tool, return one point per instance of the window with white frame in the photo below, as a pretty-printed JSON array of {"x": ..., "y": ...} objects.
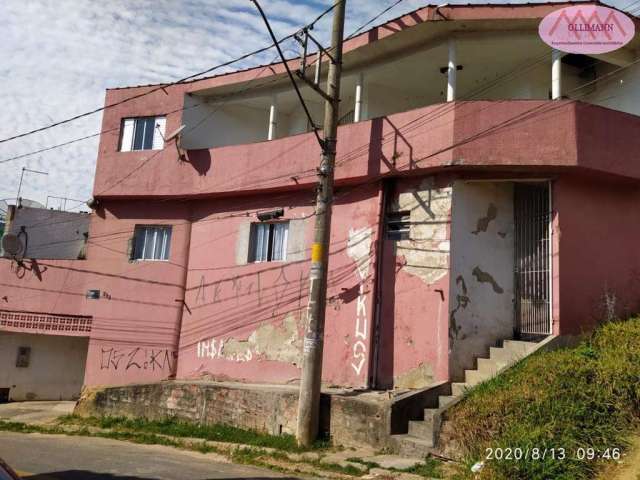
[
  {"x": 268, "y": 242},
  {"x": 142, "y": 133},
  {"x": 151, "y": 242}
]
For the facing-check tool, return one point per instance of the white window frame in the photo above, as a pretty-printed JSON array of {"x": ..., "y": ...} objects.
[
  {"x": 268, "y": 242},
  {"x": 128, "y": 133},
  {"x": 160, "y": 233}
]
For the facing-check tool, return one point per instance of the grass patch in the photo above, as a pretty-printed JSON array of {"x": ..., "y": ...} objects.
[
  {"x": 430, "y": 469},
  {"x": 583, "y": 397},
  {"x": 177, "y": 428}
]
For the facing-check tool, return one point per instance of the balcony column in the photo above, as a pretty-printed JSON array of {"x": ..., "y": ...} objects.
[
  {"x": 273, "y": 118},
  {"x": 556, "y": 74},
  {"x": 452, "y": 71},
  {"x": 357, "y": 112}
]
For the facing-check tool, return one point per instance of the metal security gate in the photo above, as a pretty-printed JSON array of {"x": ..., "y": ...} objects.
[{"x": 532, "y": 259}]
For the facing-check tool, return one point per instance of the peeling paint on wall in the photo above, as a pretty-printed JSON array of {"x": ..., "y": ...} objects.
[
  {"x": 269, "y": 342},
  {"x": 426, "y": 252},
  {"x": 462, "y": 300},
  {"x": 484, "y": 277},
  {"x": 358, "y": 249},
  {"x": 481, "y": 301},
  {"x": 483, "y": 222}
]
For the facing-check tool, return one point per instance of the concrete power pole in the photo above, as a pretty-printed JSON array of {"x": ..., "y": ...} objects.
[{"x": 309, "y": 400}]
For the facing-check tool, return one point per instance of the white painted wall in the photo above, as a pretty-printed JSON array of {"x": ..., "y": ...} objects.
[
  {"x": 482, "y": 279},
  {"x": 618, "y": 91},
  {"x": 55, "y": 371},
  {"x": 211, "y": 125}
]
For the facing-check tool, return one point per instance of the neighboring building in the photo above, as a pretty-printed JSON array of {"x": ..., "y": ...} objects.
[
  {"x": 470, "y": 208},
  {"x": 43, "y": 347}
]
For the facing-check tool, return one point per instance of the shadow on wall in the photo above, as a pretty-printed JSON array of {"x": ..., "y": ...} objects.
[
  {"x": 200, "y": 160},
  {"x": 402, "y": 148}
]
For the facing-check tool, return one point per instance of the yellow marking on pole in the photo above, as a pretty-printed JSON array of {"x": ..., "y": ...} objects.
[{"x": 316, "y": 252}]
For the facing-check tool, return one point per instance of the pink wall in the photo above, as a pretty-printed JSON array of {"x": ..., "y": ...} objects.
[
  {"x": 597, "y": 231},
  {"x": 414, "y": 320},
  {"x": 462, "y": 134},
  {"x": 135, "y": 322},
  {"x": 258, "y": 310}
]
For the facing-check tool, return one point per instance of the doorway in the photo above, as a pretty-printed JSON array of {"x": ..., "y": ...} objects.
[{"x": 532, "y": 262}]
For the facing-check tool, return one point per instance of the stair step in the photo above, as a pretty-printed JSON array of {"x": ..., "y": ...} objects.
[
  {"x": 474, "y": 377},
  {"x": 505, "y": 355},
  {"x": 459, "y": 388},
  {"x": 431, "y": 414},
  {"x": 420, "y": 429},
  {"x": 444, "y": 400},
  {"x": 518, "y": 345},
  {"x": 411, "y": 446},
  {"x": 490, "y": 366}
]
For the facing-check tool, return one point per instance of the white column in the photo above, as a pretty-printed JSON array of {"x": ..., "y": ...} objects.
[
  {"x": 273, "y": 118},
  {"x": 357, "y": 113},
  {"x": 556, "y": 74},
  {"x": 452, "y": 71}
]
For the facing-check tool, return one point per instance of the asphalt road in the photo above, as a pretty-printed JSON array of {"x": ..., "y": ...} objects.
[{"x": 58, "y": 457}]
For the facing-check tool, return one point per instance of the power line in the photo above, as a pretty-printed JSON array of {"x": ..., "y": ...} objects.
[
  {"x": 166, "y": 85},
  {"x": 439, "y": 112},
  {"x": 53, "y": 147}
]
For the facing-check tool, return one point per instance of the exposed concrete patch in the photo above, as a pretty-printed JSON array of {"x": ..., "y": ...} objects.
[
  {"x": 483, "y": 222},
  {"x": 282, "y": 344},
  {"x": 484, "y": 277},
  {"x": 427, "y": 250},
  {"x": 419, "y": 377}
]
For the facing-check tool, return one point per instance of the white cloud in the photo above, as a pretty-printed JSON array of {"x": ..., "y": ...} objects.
[{"x": 59, "y": 56}]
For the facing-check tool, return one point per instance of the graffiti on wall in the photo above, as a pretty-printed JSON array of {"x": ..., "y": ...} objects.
[
  {"x": 137, "y": 358},
  {"x": 214, "y": 349},
  {"x": 273, "y": 296},
  {"x": 358, "y": 249}
]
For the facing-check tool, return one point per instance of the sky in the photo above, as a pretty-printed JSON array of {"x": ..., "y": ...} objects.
[{"x": 59, "y": 56}]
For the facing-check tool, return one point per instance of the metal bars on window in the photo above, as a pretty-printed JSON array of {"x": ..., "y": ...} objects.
[{"x": 532, "y": 259}]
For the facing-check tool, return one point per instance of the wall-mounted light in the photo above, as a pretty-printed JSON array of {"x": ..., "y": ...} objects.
[{"x": 270, "y": 214}]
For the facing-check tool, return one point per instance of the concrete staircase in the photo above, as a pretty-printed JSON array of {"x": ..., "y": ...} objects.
[{"x": 423, "y": 434}]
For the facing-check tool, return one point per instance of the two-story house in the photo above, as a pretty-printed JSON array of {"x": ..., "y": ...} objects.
[{"x": 486, "y": 189}]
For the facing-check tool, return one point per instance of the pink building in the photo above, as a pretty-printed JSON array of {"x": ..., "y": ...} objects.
[{"x": 478, "y": 199}]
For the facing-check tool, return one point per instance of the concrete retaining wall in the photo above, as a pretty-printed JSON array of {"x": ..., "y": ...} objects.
[{"x": 350, "y": 418}]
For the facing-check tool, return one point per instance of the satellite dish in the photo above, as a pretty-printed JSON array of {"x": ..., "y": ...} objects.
[
  {"x": 175, "y": 133},
  {"x": 11, "y": 244}
]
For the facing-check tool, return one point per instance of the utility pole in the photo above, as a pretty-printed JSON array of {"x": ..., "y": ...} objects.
[{"x": 310, "y": 382}]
